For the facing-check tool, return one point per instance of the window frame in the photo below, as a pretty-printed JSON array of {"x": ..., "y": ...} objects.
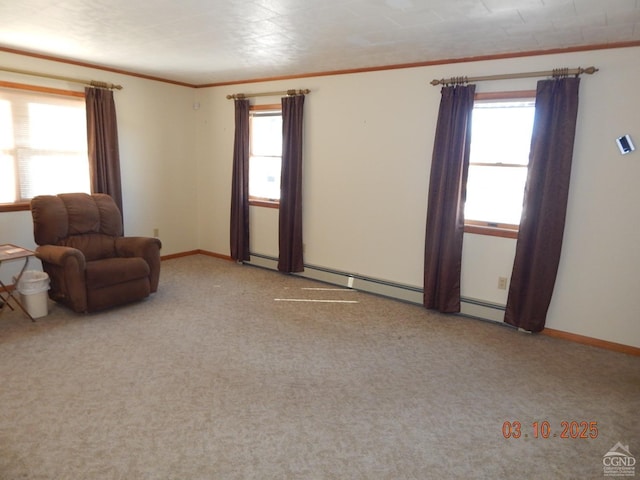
[
  {"x": 22, "y": 205},
  {"x": 253, "y": 200},
  {"x": 496, "y": 229}
]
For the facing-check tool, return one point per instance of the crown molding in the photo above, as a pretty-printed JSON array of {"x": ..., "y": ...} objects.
[{"x": 448, "y": 61}]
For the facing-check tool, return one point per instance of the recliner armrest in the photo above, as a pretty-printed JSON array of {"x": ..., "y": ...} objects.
[
  {"x": 137, "y": 246},
  {"x": 145, "y": 247},
  {"x": 60, "y": 255},
  {"x": 66, "y": 267}
]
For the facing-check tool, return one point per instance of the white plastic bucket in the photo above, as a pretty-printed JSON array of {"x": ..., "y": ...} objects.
[{"x": 33, "y": 288}]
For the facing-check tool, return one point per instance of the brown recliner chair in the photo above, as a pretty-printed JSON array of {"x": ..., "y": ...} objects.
[{"x": 91, "y": 265}]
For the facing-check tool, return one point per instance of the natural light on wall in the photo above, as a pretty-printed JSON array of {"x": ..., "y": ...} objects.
[
  {"x": 43, "y": 146},
  {"x": 500, "y": 142}
]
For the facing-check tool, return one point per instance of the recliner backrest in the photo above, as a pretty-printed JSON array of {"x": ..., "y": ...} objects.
[{"x": 89, "y": 223}]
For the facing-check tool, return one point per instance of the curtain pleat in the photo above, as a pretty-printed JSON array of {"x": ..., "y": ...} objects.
[
  {"x": 445, "y": 208},
  {"x": 545, "y": 203},
  {"x": 102, "y": 142},
  {"x": 290, "y": 257},
  {"x": 239, "y": 236}
]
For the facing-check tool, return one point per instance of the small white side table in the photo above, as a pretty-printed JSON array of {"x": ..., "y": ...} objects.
[{"x": 10, "y": 252}]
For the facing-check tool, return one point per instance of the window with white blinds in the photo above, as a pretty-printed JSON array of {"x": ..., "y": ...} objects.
[
  {"x": 265, "y": 155},
  {"x": 499, "y": 161},
  {"x": 43, "y": 145}
]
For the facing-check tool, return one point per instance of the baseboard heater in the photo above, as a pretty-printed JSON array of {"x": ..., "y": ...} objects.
[{"x": 470, "y": 307}]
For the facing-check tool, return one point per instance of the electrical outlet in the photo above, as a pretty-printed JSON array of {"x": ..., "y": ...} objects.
[{"x": 502, "y": 283}]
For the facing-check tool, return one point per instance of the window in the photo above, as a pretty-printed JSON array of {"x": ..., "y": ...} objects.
[
  {"x": 265, "y": 155},
  {"x": 499, "y": 157},
  {"x": 43, "y": 144}
]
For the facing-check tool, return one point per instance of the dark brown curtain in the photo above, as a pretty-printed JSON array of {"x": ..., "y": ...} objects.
[
  {"x": 240, "y": 184},
  {"x": 290, "y": 217},
  {"x": 102, "y": 140},
  {"x": 545, "y": 204},
  {"x": 445, "y": 208}
]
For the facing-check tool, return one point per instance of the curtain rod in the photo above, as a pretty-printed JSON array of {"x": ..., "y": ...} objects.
[
  {"x": 240, "y": 96},
  {"x": 556, "y": 73},
  {"x": 90, "y": 83}
]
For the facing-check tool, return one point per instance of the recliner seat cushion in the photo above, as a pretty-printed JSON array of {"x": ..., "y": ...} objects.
[{"x": 110, "y": 271}]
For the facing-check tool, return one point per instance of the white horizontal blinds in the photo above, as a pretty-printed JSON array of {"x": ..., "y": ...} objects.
[{"x": 43, "y": 145}]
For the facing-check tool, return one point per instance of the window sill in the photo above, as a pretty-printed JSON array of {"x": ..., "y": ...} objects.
[
  {"x": 491, "y": 231},
  {"x": 15, "y": 207},
  {"x": 262, "y": 202}
]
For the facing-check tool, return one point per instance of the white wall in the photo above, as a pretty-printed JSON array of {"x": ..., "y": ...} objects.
[
  {"x": 157, "y": 155},
  {"x": 368, "y": 144}
]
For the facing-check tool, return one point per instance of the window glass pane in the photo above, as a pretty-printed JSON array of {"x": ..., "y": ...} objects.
[
  {"x": 494, "y": 194},
  {"x": 265, "y": 158},
  {"x": 266, "y": 135},
  {"x": 53, "y": 174},
  {"x": 7, "y": 179},
  {"x": 264, "y": 177},
  {"x": 501, "y": 135},
  {"x": 501, "y": 132},
  {"x": 6, "y": 125},
  {"x": 57, "y": 127},
  {"x": 7, "y": 164},
  {"x": 43, "y": 145}
]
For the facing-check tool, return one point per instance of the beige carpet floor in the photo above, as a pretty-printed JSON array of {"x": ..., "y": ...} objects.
[{"x": 220, "y": 375}]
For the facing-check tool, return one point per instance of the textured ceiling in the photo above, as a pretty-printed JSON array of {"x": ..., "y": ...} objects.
[{"x": 202, "y": 42}]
